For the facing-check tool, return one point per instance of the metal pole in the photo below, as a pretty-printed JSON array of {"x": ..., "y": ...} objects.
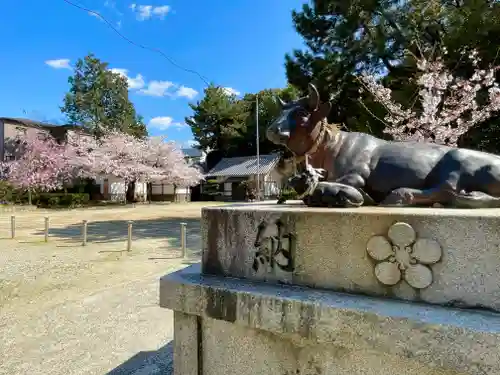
[
  {"x": 84, "y": 233},
  {"x": 258, "y": 143},
  {"x": 12, "y": 226},
  {"x": 183, "y": 240},
  {"x": 46, "y": 229},
  {"x": 129, "y": 238}
]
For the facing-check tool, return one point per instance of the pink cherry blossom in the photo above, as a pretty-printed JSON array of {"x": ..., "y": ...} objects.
[
  {"x": 449, "y": 106},
  {"x": 44, "y": 164},
  {"x": 41, "y": 163},
  {"x": 170, "y": 163}
]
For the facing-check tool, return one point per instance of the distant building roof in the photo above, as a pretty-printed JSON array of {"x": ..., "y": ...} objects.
[
  {"x": 244, "y": 166},
  {"x": 192, "y": 152},
  {"x": 36, "y": 124}
]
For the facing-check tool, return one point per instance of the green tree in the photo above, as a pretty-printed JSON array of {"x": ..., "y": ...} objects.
[
  {"x": 345, "y": 37},
  {"x": 478, "y": 25},
  {"x": 218, "y": 120},
  {"x": 269, "y": 110},
  {"x": 226, "y": 125},
  {"x": 138, "y": 128},
  {"x": 98, "y": 99}
]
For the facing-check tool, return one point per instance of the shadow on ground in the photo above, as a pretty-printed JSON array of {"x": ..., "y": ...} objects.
[
  {"x": 117, "y": 230},
  {"x": 151, "y": 362}
]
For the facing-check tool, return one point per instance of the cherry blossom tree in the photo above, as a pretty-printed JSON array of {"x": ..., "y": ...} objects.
[
  {"x": 171, "y": 167},
  {"x": 83, "y": 155},
  {"x": 133, "y": 159},
  {"x": 44, "y": 164},
  {"x": 123, "y": 156},
  {"x": 41, "y": 163},
  {"x": 449, "y": 104}
]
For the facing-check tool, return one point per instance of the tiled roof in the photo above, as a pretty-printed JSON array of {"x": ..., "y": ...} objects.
[
  {"x": 36, "y": 124},
  {"x": 244, "y": 166}
]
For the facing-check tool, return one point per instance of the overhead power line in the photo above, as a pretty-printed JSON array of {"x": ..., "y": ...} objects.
[{"x": 139, "y": 45}]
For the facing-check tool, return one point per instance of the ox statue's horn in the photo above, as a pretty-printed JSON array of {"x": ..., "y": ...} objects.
[{"x": 313, "y": 97}]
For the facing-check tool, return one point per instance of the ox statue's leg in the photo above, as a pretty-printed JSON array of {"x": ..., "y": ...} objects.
[
  {"x": 416, "y": 197},
  {"x": 358, "y": 182},
  {"x": 333, "y": 194},
  {"x": 446, "y": 196},
  {"x": 475, "y": 199}
]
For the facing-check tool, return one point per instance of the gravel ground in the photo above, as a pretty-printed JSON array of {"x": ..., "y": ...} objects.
[{"x": 72, "y": 309}]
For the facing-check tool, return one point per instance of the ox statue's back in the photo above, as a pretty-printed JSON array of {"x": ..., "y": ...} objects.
[{"x": 381, "y": 172}]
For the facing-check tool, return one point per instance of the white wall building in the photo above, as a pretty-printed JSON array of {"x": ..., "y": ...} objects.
[{"x": 231, "y": 172}]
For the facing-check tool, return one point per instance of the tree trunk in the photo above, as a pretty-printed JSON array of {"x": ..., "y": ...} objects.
[
  {"x": 149, "y": 191},
  {"x": 130, "y": 194},
  {"x": 175, "y": 193},
  {"x": 29, "y": 196}
]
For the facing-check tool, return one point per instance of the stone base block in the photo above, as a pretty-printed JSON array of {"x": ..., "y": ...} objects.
[
  {"x": 441, "y": 256},
  {"x": 232, "y": 326}
]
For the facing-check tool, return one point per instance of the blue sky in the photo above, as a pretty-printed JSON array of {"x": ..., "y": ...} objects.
[{"x": 238, "y": 44}]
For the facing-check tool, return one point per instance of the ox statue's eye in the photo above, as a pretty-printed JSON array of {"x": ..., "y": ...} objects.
[{"x": 302, "y": 116}]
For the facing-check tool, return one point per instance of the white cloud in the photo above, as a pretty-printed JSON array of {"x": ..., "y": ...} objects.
[
  {"x": 186, "y": 92},
  {"x": 157, "y": 88},
  {"x": 111, "y": 8},
  {"x": 120, "y": 71},
  {"x": 231, "y": 91},
  {"x": 165, "y": 122},
  {"x": 146, "y": 12},
  {"x": 58, "y": 63},
  {"x": 191, "y": 143},
  {"x": 186, "y": 144},
  {"x": 95, "y": 14},
  {"x": 161, "y": 11},
  {"x": 133, "y": 83}
]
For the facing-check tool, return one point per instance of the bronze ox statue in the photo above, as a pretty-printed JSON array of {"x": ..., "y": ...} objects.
[{"x": 383, "y": 172}]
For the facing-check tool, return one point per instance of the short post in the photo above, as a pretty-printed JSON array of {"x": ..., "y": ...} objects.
[
  {"x": 84, "y": 233},
  {"x": 183, "y": 240},
  {"x": 13, "y": 227},
  {"x": 46, "y": 229},
  {"x": 129, "y": 238}
]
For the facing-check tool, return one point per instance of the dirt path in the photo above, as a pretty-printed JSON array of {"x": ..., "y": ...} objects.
[{"x": 69, "y": 309}]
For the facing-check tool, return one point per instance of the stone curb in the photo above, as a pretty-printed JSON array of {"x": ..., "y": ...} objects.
[{"x": 437, "y": 336}]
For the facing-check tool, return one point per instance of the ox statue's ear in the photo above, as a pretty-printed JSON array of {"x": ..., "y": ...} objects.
[
  {"x": 281, "y": 102},
  {"x": 313, "y": 97}
]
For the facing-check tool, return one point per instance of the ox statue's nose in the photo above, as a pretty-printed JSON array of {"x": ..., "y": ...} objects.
[{"x": 279, "y": 131}]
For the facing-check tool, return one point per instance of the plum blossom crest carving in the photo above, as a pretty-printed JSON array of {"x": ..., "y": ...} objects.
[{"x": 401, "y": 255}]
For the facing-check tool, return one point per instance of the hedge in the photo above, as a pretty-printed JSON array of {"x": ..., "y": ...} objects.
[
  {"x": 9, "y": 194},
  {"x": 55, "y": 200},
  {"x": 287, "y": 194}
]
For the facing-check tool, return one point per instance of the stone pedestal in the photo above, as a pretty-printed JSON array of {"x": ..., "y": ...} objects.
[{"x": 295, "y": 290}]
